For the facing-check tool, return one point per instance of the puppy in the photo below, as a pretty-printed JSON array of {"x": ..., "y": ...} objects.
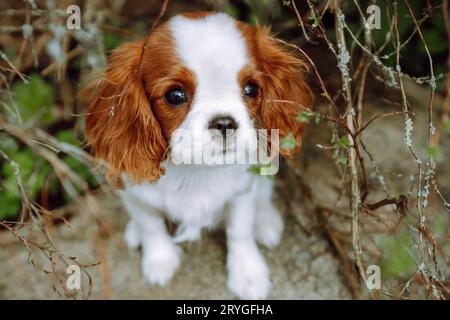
[{"x": 205, "y": 75}]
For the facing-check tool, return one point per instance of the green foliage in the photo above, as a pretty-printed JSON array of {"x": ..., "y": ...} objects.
[
  {"x": 34, "y": 102},
  {"x": 112, "y": 40},
  {"x": 341, "y": 159},
  {"x": 33, "y": 171},
  {"x": 34, "y": 99},
  {"x": 315, "y": 19},
  {"x": 397, "y": 260},
  {"x": 306, "y": 116},
  {"x": 344, "y": 142},
  {"x": 434, "y": 151},
  {"x": 288, "y": 142},
  {"x": 447, "y": 126},
  {"x": 340, "y": 145},
  {"x": 68, "y": 136},
  {"x": 232, "y": 10}
]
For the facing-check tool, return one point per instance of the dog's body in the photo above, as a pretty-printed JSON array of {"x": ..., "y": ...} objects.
[
  {"x": 197, "y": 72},
  {"x": 204, "y": 198}
]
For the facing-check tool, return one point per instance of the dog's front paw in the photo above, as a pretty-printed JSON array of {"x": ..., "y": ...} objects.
[
  {"x": 248, "y": 275},
  {"x": 269, "y": 228},
  {"x": 160, "y": 262}
]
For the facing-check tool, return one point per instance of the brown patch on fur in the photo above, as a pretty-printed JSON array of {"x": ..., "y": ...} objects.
[
  {"x": 249, "y": 74},
  {"x": 162, "y": 71},
  {"x": 128, "y": 122},
  {"x": 198, "y": 15},
  {"x": 280, "y": 76}
]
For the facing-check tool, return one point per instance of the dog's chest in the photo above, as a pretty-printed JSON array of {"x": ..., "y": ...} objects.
[
  {"x": 193, "y": 196},
  {"x": 199, "y": 196}
]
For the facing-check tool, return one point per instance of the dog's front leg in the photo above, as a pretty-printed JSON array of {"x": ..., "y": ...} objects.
[
  {"x": 160, "y": 255},
  {"x": 248, "y": 274}
]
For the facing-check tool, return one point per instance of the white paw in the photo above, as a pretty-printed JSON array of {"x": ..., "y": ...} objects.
[
  {"x": 269, "y": 228},
  {"x": 132, "y": 236},
  {"x": 159, "y": 263},
  {"x": 248, "y": 275}
]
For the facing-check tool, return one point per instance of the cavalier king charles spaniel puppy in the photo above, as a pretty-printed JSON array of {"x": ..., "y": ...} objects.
[{"x": 202, "y": 74}]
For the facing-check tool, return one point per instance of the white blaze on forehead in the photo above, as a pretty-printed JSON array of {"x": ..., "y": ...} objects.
[{"x": 213, "y": 48}]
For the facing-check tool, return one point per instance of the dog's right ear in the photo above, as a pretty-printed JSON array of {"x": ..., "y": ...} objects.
[
  {"x": 120, "y": 124},
  {"x": 285, "y": 92}
]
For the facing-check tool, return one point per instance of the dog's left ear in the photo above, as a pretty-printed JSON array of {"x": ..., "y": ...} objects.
[
  {"x": 285, "y": 92},
  {"x": 120, "y": 124}
]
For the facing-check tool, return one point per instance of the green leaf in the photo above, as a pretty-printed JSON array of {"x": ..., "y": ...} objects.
[
  {"x": 447, "y": 126},
  {"x": 8, "y": 144},
  {"x": 317, "y": 118},
  {"x": 344, "y": 141},
  {"x": 304, "y": 116},
  {"x": 434, "y": 151},
  {"x": 68, "y": 136},
  {"x": 397, "y": 261},
  {"x": 24, "y": 159},
  {"x": 288, "y": 142},
  {"x": 34, "y": 98},
  {"x": 33, "y": 173},
  {"x": 112, "y": 40},
  {"x": 10, "y": 204},
  {"x": 81, "y": 170},
  {"x": 316, "y": 20}
]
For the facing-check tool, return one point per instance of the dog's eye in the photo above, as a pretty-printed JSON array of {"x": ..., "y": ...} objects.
[
  {"x": 176, "y": 97},
  {"x": 251, "y": 90}
]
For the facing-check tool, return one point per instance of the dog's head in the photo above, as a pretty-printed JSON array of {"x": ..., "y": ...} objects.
[{"x": 204, "y": 73}]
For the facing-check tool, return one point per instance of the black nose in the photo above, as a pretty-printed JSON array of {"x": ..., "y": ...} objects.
[{"x": 223, "y": 123}]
